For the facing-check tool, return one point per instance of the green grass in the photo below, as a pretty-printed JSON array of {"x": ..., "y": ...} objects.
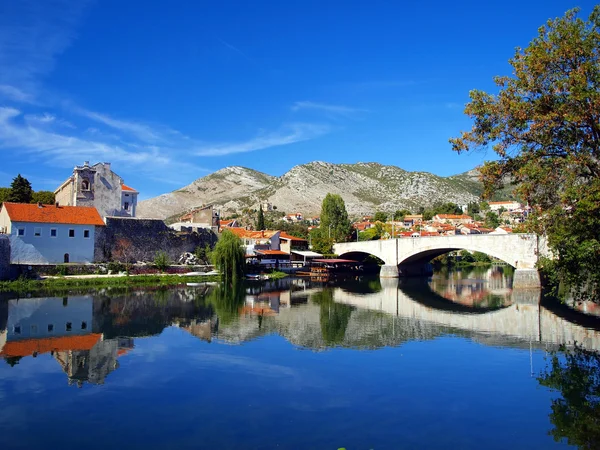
[
  {"x": 276, "y": 275},
  {"x": 26, "y": 285}
]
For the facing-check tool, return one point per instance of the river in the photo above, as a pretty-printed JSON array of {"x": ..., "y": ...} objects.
[{"x": 460, "y": 360}]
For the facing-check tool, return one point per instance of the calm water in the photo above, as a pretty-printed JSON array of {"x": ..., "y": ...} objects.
[{"x": 458, "y": 362}]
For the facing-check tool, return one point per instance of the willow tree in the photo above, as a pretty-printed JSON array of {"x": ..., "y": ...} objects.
[
  {"x": 544, "y": 126},
  {"x": 229, "y": 256}
]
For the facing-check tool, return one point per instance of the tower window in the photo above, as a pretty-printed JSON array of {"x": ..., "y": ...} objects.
[{"x": 85, "y": 185}]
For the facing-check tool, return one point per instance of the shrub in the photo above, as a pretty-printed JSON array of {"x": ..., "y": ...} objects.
[{"x": 162, "y": 261}]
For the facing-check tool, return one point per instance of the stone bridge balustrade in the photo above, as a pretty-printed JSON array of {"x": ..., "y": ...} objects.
[{"x": 407, "y": 256}]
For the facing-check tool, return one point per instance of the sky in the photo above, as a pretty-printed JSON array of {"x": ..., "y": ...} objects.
[{"x": 169, "y": 92}]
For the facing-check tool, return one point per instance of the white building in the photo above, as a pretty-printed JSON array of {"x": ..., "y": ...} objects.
[
  {"x": 100, "y": 187},
  {"x": 49, "y": 234},
  {"x": 508, "y": 205}
]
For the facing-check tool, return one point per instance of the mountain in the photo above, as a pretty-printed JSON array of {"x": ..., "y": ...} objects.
[{"x": 365, "y": 187}]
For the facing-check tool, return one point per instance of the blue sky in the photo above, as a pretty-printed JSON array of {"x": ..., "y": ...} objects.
[{"x": 171, "y": 91}]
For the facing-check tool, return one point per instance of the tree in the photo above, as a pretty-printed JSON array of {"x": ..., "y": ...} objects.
[
  {"x": 229, "y": 256},
  {"x": 380, "y": 216},
  {"x": 492, "y": 220},
  {"x": 4, "y": 194},
  {"x": 20, "y": 190},
  {"x": 334, "y": 218},
  {"x": 321, "y": 242},
  {"x": 400, "y": 214},
  {"x": 544, "y": 125},
  {"x": 260, "y": 221},
  {"x": 43, "y": 197}
]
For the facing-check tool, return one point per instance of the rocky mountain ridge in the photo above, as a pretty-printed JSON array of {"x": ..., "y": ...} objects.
[{"x": 365, "y": 187}]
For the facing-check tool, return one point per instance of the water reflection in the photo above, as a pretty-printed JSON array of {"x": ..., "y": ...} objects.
[
  {"x": 575, "y": 374},
  {"x": 487, "y": 287},
  {"x": 87, "y": 334}
]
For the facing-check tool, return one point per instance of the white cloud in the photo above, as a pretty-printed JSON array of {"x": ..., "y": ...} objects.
[
  {"x": 66, "y": 150},
  {"x": 32, "y": 35},
  {"x": 16, "y": 94},
  {"x": 345, "y": 111},
  {"x": 139, "y": 130},
  {"x": 47, "y": 119},
  {"x": 290, "y": 134}
]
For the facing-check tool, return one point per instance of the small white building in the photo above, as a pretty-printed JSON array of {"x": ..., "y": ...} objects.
[{"x": 50, "y": 234}]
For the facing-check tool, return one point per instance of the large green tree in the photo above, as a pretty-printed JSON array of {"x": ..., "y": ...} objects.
[
  {"x": 334, "y": 218},
  {"x": 229, "y": 256},
  {"x": 544, "y": 125},
  {"x": 20, "y": 190}
]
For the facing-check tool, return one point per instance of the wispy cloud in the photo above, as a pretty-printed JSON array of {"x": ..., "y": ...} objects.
[
  {"x": 15, "y": 94},
  {"x": 29, "y": 46},
  {"x": 289, "y": 134},
  {"x": 339, "y": 110},
  {"x": 47, "y": 119},
  {"x": 142, "y": 131},
  {"x": 35, "y": 138},
  {"x": 236, "y": 50}
]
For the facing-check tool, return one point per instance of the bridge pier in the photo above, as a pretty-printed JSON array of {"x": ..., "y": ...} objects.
[
  {"x": 389, "y": 271},
  {"x": 526, "y": 279}
]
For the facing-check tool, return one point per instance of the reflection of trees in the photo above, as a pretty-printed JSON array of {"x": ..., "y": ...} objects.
[
  {"x": 576, "y": 414},
  {"x": 361, "y": 285},
  {"x": 227, "y": 299},
  {"x": 334, "y": 317}
]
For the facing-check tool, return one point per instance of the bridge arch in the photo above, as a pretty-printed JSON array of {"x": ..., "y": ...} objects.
[{"x": 403, "y": 256}]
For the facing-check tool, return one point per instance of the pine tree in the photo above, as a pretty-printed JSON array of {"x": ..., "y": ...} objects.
[
  {"x": 20, "y": 190},
  {"x": 260, "y": 221}
]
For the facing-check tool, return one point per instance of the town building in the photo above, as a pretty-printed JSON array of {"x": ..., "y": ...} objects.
[
  {"x": 100, "y": 187},
  {"x": 204, "y": 217},
  {"x": 454, "y": 219},
  {"x": 508, "y": 205},
  {"x": 50, "y": 234}
]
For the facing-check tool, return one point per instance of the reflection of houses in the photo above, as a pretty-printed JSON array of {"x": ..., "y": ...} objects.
[
  {"x": 62, "y": 327},
  {"x": 50, "y": 234},
  {"x": 100, "y": 187}
]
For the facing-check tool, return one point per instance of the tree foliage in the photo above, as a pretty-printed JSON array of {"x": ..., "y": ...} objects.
[
  {"x": 544, "y": 125},
  {"x": 334, "y": 218},
  {"x": 20, "y": 190},
  {"x": 43, "y": 197},
  {"x": 400, "y": 214},
  {"x": 260, "y": 220},
  {"x": 229, "y": 256},
  {"x": 380, "y": 216}
]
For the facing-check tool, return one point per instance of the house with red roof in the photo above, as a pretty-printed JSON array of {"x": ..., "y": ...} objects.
[
  {"x": 100, "y": 187},
  {"x": 50, "y": 234}
]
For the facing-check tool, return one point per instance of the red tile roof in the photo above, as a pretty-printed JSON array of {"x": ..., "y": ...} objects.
[
  {"x": 127, "y": 188},
  {"x": 271, "y": 252},
  {"x": 453, "y": 216},
  {"x": 28, "y": 347},
  {"x": 251, "y": 234},
  {"x": 284, "y": 235},
  {"x": 72, "y": 215}
]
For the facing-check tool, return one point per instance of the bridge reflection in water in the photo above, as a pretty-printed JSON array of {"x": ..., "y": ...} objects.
[{"x": 87, "y": 334}]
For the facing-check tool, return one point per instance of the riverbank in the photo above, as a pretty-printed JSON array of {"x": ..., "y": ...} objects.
[{"x": 112, "y": 280}]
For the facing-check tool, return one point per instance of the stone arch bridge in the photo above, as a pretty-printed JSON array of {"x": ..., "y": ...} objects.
[{"x": 409, "y": 256}]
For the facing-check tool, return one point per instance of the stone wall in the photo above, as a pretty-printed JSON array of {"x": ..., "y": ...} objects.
[
  {"x": 127, "y": 239},
  {"x": 5, "y": 270}
]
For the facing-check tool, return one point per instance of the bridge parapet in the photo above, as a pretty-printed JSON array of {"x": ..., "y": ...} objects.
[{"x": 519, "y": 250}]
